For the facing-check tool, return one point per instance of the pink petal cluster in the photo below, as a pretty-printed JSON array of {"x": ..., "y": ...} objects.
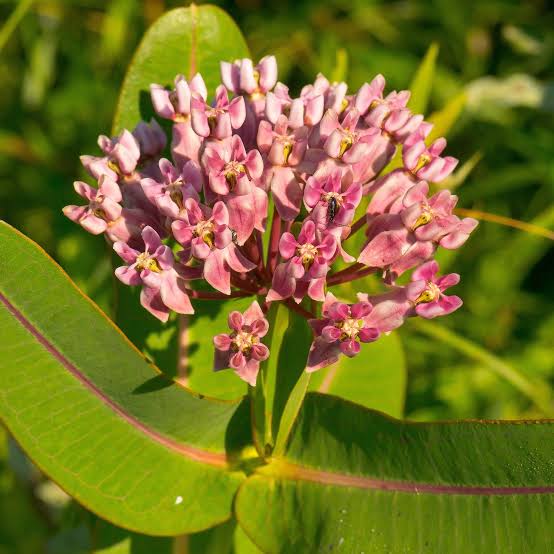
[
  {"x": 242, "y": 349},
  {"x": 256, "y": 165}
]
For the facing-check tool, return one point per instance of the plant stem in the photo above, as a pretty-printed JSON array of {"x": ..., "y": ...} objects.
[
  {"x": 183, "y": 350},
  {"x": 260, "y": 245},
  {"x": 351, "y": 276},
  {"x": 13, "y": 20},
  {"x": 292, "y": 305},
  {"x": 261, "y": 396},
  {"x": 273, "y": 248},
  {"x": 356, "y": 226},
  {"x": 209, "y": 295},
  {"x": 350, "y": 269}
]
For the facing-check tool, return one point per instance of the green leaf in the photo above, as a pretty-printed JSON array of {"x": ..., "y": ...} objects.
[
  {"x": 354, "y": 480},
  {"x": 94, "y": 415},
  {"x": 422, "y": 82},
  {"x": 375, "y": 378},
  {"x": 228, "y": 538},
  {"x": 108, "y": 539},
  {"x": 183, "y": 40},
  {"x": 444, "y": 119},
  {"x": 538, "y": 391}
]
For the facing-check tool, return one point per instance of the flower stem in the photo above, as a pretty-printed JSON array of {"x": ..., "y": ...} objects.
[
  {"x": 292, "y": 305},
  {"x": 260, "y": 245},
  {"x": 350, "y": 276},
  {"x": 356, "y": 226},
  {"x": 350, "y": 269},
  {"x": 273, "y": 248},
  {"x": 209, "y": 295}
]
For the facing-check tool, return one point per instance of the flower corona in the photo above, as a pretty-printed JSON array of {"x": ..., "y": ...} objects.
[{"x": 311, "y": 173}]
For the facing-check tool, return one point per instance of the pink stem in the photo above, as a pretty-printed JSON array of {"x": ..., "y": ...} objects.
[
  {"x": 346, "y": 278},
  {"x": 273, "y": 249},
  {"x": 243, "y": 282},
  {"x": 350, "y": 269},
  {"x": 292, "y": 305},
  {"x": 253, "y": 252},
  {"x": 356, "y": 226},
  {"x": 260, "y": 245},
  {"x": 209, "y": 295}
]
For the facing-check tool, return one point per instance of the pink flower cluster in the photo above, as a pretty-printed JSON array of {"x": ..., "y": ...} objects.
[{"x": 257, "y": 160}]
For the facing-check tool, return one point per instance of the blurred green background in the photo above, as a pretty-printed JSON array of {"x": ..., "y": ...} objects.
[{"x": 62, "y": 63}]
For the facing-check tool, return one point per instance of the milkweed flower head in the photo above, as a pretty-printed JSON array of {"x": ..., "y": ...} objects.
[{"x": 306, "y": 175}]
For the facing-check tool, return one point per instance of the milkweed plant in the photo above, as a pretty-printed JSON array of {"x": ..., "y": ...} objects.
[
  {"x": 260, "y": 197},
  {"x": 312, "y": 223}
]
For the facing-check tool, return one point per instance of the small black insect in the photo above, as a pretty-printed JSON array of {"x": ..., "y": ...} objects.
[
  {"x": 234, "y": 236},
  {"x": 332, "y": 209}
]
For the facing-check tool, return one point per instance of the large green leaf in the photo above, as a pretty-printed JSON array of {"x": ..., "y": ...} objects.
[
  {"x": 93, "y": 413},
  {"x": 353, "y": 480},
  {"x": 183, "y": 40},
  {"x": 375, "y": 378}
]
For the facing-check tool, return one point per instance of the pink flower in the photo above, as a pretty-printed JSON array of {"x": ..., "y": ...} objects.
[
  {"x": 231, "y": 174},
  {"x": 175, "y": 187},
  {"x": 432, "y": 219},
  {"x": 230, "y": 169},
  {"x": 410, "y": 235},
  {"x": 242, "y": 349},
  {"x": 241, "y": 77},
  {"x": 341, "y": 330},
  {"x": 102, "y": 208},
  {"x": 388, "y": 192},
  {"x": 220, "y": 120},
  {"x": 430, "y": 301},
  {"x": 282, "y": 146},
  {"x": 423, "y": 297},
  {"x": 344, "y": 140},
  {"x": 306, "y": 110},
  {"x": 308, "y": 261},
  {"x": 369, "y": 95},
  {"x": 205, "y": 235},
  {"x": 392, "y": 246},
  {"x": 285, "y": 151},
  {"x": 122, "y": 154},
  {"x": 393, "y": 117},
  {"x": 175, "y": 104},
  {"x": 332, "y": 198},
  {"x": 151, "y": 138},
  {"x": 334, "y": 93},
  {"x": 163, "y": 288},
  {"x": 425, "y": 162}
]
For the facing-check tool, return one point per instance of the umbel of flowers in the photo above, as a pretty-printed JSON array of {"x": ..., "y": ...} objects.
[{"x": 256, "y": 160}]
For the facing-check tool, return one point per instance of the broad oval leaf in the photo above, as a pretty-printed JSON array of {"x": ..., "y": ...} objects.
[
  {"x": 183, "y": 40},
  {"x": 87, "y": 407},
  {"x": 353, "y": 480}
]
